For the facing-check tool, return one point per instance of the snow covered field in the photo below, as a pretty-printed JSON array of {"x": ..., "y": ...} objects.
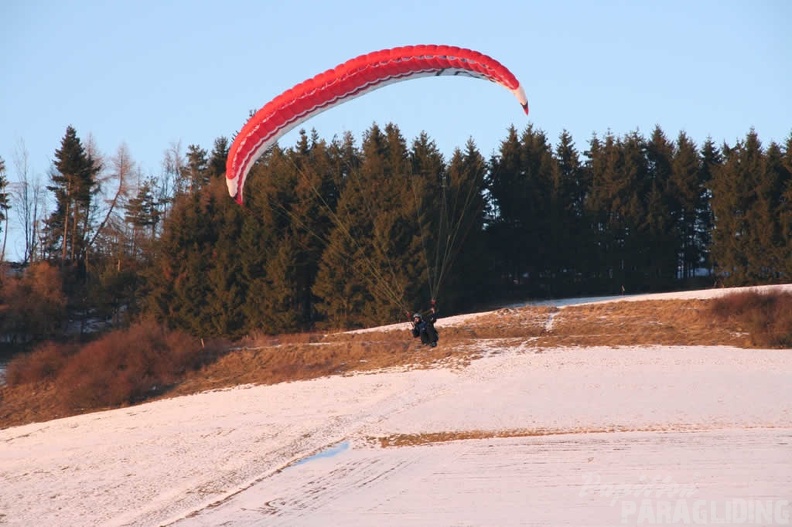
[{"x": 574, "y": 436}]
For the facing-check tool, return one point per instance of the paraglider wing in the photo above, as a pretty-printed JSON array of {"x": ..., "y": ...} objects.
[{"x": 346, "y": 81}]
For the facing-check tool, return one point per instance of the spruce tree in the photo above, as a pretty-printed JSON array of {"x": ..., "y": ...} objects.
[
  {"x": 216, "y": 166},
  {"x": 343, "y": 281},
  {"x": 191, "y": 265},
  {"x": 711, "y": 159},
  {"x": 73, "y": 186},
  {"x": 196, "y": 172},
  {"x": 609, "y": 200},
  {"x": 431, "y": 223},
  {"x": 361, "y": 280},
  {"x": 142, "y": 214},
  {"x": 226, "y": 288},
  {"x": 687, "y": 189},
  {"x": 469, "y": 277},
  {"x": 570, "y": 187},
  {"x": 503, "y": 224},
  {"x": 785, "y": 209},
  {"x": 386, "y": 180},
  {"x": 268, "y": 219},
  {"x": 521, "y": 191},
  {"x": 734, "y": 198},
  {"x": 314, "y": 209},
  {"x": 281, "y": 305},
  {"x": 658, "y": 238},
  {"x": 770, "y": 247}
]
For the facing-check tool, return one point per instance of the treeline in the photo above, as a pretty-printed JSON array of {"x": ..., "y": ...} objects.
[{"x": 336, "y": 234}]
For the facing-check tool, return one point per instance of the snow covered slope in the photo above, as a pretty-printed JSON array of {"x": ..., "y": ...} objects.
[{"x": 567, "y": 436}]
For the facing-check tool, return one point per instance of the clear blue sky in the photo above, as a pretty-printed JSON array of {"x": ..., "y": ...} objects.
[{"x": 148, "y": 73}]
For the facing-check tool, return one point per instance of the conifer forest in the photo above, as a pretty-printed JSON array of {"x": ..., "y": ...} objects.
[{"x": 358, "y": 231}]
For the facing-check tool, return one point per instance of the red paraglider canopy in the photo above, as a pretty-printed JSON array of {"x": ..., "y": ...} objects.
[{"x": 346, "y": 81}]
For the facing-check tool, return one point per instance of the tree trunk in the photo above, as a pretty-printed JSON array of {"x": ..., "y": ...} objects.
[
  {"x": 64, "y": 249},
  {"x": 5, "y": 238}
]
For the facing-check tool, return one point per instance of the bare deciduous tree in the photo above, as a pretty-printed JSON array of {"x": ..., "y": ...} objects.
[
  {"x": 4, "y": 205},
  {"x": 122, "y": 168},
  {"x": 172, "y": 181},
  {"x": 28, "y": 200}
]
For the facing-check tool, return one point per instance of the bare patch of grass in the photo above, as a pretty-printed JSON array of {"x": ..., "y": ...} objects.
[{"x": 522, "y": 322}]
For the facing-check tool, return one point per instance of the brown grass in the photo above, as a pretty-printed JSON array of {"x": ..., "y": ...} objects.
[
  {"x": 660, "y": 322},
  {"x": 275, "y": 360},
  {"x": 145, "y": 363},
  {"x": 402, "y": 440}
]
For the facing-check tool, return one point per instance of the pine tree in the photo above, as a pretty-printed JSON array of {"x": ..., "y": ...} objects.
[
  {"x": 540, "y": 169},
  {"x": 217, "y": 159},
  {"x": 196, "y": 172},
  {"x": 610, "y": 197},
  {"x": 734, "y": 198},
  {"x": 570, "y": 187},
  {"x": 142, "y": 212},
  {"x": 521, "y": 191},
  {"x": 361, "y": 279},
  {"x": 686, "y": 189},
  {"x": 594, "y": 215},
  {"x": 770, "y": 248},
  {"x": 177, "y": 285},
  {"x": 503, "y": 225},
  {"x": 636, "y": 215},
  {"x": 269, "y": 195},
  {"x": 343, "y": 281},
  {"x": 785, "y": 208},
  {"x": 710, "y": 160},
  {"x": 315, "y": 206},
  {"x": 384, "y": 178},
  {"x": 281, "y": 306},
  {"x": 428, "y": 250},
  {"x": 657, "y": 237},
  {"x": 224, "y": 305},
  {"x": 469, "y": 279},
  {"x": 336, "y": 292},
  {"x": 74, "y": 185}
]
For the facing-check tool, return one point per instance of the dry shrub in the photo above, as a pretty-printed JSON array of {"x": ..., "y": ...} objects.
[
  {"x": 766, "y": 316},
  {"x": 128, "y": 366},
  {"x": 35, "y": 303},
  {"x": 41, "y": 365}
]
